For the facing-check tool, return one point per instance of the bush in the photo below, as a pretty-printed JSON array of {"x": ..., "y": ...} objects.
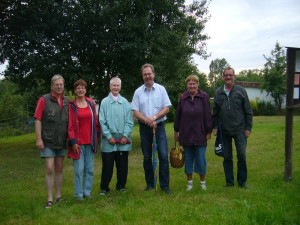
[{"x": 265, "y": 108}]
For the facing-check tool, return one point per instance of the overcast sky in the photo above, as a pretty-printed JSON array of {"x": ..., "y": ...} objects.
[{"x": 242, "y": 31}]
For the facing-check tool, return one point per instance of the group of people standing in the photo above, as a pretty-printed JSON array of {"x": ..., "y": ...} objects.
[{"x": 60, "y": 121}]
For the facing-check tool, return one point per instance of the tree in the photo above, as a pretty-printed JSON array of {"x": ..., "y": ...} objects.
[
  {"x": 274, "y": 76},
  {"x": 98, "y": 39},
  {"x": 216, "y": 68},
  {"x": 254, "y": 75}
]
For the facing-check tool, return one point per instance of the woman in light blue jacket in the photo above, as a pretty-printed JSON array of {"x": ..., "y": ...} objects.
[{"x": 116, "y": 123}]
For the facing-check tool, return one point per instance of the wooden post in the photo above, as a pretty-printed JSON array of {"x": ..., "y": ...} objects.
[{"x": 291, "y": 57}]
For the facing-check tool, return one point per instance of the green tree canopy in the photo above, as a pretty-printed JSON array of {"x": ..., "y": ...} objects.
[
  {"x": 274, "y": 77},
  {"x": 98, "y": 39},
  {"x": 254, "y": 75},
  {"x": 216, "y": 68}
]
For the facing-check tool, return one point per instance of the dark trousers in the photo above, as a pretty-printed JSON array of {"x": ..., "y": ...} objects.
[
  {"x": 146, "y": 134},
  {"x": 240, "y": 143},
  {"x": 108, "y": 159}
]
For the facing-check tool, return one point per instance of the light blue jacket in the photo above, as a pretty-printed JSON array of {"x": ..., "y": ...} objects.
[{"x": 116, "y": 121}]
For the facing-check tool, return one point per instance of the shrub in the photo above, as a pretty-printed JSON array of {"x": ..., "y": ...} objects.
[{"x": 265, "y": 108}]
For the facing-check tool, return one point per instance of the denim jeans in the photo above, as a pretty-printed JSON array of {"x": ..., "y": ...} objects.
[
  {"x": 84, "y": 172},
  {"x": 146, "y": 134},
  {"x": 240, "y": 141},
  {"x": 195, "y": 159}
]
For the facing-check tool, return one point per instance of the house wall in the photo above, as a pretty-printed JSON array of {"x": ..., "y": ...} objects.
[{"x": 254, "y": 93}]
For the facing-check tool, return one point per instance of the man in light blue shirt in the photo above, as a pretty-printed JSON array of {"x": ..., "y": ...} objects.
[{"x": 150, "y": 104}]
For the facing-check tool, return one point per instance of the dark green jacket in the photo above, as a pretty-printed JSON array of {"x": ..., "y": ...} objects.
[
  {"x": 234, "y": 111},
  {"x": 55, "y": 123}
]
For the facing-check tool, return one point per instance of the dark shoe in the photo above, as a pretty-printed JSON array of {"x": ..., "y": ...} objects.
[
  {"x": 59, "y": 199},
  {"x": 148, "y": 188},
  {"x": 228, "y": 185},
  {"x": 167, "y": 191},
  {"x": 48, "y": 205},
  {"x": 245, "y": 186}
]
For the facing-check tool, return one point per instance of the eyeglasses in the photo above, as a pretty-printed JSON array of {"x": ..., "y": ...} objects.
[{"x": 228, "y": 75}]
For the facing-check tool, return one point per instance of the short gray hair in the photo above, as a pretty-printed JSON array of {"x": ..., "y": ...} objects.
[
  {"x": 56, "y": 77},
  {"x": 115, "y": 79}
]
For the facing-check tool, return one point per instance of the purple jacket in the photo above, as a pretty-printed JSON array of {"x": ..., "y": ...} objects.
[{"x": 193, "y": 119}]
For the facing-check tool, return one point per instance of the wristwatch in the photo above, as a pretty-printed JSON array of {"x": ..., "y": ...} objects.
[{"x": 154, "y": 117}]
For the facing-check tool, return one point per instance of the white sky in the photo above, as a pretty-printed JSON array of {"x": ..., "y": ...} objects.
[{"x": 242, "y": 31}]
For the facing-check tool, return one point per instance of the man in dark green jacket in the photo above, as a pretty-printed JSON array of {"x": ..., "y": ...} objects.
[{"x": 232, "y": 108}]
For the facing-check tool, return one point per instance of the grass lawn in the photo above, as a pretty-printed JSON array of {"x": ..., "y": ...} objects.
[{"x": 270, "y": 200}]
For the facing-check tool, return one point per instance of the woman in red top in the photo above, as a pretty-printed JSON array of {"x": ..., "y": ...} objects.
[{"x": 83, "y": 131}]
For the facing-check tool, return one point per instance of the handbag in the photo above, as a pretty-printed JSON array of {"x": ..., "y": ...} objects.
[
  {"x": 177, "y": 157},
  {"x": 219, "y": 145}
]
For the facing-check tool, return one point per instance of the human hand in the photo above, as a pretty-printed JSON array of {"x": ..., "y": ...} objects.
[
  {"x": 112, "y": 141},
  {"x": 123, "y": 140},
  {"x": 176, "y": 136},
  {"x": 208, "y": 136},
  {"x": 215, "y": 131},
  {"x": 247, "y": 133},
  {"x": 76, "y": 148},
  {"x": 40, "y": 144}
]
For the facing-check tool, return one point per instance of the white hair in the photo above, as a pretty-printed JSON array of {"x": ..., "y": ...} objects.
[{"x": 115, "y": 79}]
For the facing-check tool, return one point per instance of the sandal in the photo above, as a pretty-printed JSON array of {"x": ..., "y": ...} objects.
[{"x": 48, "y": 205}]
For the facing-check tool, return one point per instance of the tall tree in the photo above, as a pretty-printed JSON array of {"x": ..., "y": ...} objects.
[
  {"x": 216, "y": 68},
  {"x": 98, "y": 39},
  {"x": 274, "y": 78}
]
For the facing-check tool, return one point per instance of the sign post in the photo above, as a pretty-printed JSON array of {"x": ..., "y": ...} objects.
[{"x": 292, "y": 102}]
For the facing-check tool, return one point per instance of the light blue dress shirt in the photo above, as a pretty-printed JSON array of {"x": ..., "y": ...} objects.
[{"x": 151, "y": 102}]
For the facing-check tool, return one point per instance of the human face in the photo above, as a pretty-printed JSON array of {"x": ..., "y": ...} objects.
[
  {"x": 192, "y": 87},
  {"x": 148, "y": 76},
  {"x": 80, "y": 91},
  {"x": 57, "y": 87},
  {"x": 228, "y": 78},
  {"x": 115, "y": 88}
]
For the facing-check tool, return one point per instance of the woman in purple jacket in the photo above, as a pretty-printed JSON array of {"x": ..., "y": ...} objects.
[{"x": 192, "y": 128}]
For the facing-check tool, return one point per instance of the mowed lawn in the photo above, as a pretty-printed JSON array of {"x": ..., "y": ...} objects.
[{"x": 270, "y": 200}]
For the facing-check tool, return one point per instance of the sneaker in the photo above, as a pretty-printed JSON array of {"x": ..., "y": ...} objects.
[
  {"x": 103, "y": 192},
  {"x": 203, "y": 186},
  {"x": 123, "y": 190},
  {"x": 189, "y": 187}
]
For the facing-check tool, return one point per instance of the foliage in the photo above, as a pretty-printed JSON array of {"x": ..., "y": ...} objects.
[
  {"x": 216, "y": 68},
  {"x": 263, "y": 108},
  {"x": 274, "y": 78},
  {"x": 15, "y": 110},
  {"x": 254, "y": 75},
  {"x": 98, "y": 39},
  {"x": 23, "y": 190}
]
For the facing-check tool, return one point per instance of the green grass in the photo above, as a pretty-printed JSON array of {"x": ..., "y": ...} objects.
[{"x": 270, "y": 200}]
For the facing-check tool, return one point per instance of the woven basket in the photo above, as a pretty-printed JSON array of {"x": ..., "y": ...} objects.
[{"x": 177, "y": 157}]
